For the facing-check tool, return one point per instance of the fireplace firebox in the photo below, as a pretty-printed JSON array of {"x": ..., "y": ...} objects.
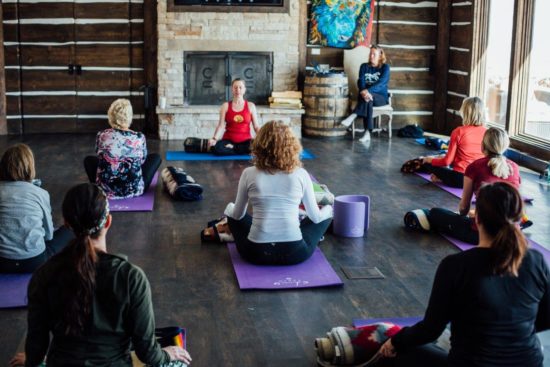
[{"x": 208, "y": 76}]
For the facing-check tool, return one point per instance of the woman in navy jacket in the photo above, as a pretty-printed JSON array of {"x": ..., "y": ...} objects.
[{"x": 373, "y": 89}]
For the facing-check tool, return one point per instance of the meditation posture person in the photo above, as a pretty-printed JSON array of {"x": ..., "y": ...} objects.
[
  {"x": 373, "y": 89},
  {"x": 274, "y": 187},
  {"x": 496, "y": 296},
  {"x": 122, "y": 167},
  {"x": 87, "y": 306},
  {"x": 235, "y": 119},
  {"x": 27, "y": 237},
  {"x": 493, "y": 167},
  {"x": 464, "y": 146}
]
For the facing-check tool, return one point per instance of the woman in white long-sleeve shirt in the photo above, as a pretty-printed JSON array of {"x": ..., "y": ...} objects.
[{"x": 274, "y": 187}]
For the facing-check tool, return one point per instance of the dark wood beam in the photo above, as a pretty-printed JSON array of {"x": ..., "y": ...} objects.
[
  {"x": 3, "y": 122},
  {"x": 150, "y": 51},
  {"x": 442, "y": 64}
]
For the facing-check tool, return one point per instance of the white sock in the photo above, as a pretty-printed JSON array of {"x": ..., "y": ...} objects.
[{"x": 349, "y": 120}]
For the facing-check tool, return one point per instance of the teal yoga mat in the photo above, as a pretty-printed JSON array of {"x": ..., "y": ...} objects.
[{"x": 183, "y": 156}]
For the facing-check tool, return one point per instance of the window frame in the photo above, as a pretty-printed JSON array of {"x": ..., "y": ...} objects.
[{"x": 522, "y": 33}]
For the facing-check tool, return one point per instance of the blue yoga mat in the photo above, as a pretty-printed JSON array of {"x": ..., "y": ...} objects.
[
  {"x": 183, "y": 156},
  {"x": 421, "y": 141}
]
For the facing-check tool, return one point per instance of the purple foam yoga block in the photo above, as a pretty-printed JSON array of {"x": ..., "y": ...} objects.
[{"x": 351, "y": 215}]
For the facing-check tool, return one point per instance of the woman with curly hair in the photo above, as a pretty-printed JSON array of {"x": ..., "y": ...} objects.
[
  {"x": 275, "y": 186},
  {"x": 122, "y": 167}
]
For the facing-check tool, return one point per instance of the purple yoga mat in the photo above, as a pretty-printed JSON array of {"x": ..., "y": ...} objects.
[
  {"x": 466, "y": 246},
  {"x": 351, "y": 215},
  {"x": 13, "y": 290},
  {"x": 401, "y": 321},
  {"x": 143, "y": 203},
  {"x": 454, "y": 190},
  {"x": 314, "y": 272}
]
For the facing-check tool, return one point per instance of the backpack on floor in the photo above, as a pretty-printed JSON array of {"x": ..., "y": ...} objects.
[
  {"x": 410, "y": 131},
  {"x": 196, "y": 145}
]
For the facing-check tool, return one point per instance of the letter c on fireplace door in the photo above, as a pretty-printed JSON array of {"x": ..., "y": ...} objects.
[{"x": 207, "y": 74}]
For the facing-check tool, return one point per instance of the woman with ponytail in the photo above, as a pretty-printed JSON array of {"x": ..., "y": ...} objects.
[
  {"x": 496, "y": 297},
  {"x": 95, "y": 305},
  {"x": 493, "y": 167}
]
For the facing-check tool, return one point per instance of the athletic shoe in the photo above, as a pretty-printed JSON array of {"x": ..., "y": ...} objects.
[
  {"x": 365, "y": 137},
  {"x": 417, "y": 219},
  {"x": 349, "y": 120}
]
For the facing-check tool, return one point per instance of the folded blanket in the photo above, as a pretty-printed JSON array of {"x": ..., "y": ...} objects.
[{"x": 180, "y": 185}]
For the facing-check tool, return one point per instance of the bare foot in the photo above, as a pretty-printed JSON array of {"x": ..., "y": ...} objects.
[{"x": 434, "y": 178}]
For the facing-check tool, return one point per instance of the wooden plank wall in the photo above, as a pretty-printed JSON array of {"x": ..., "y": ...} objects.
[
  {"x": 407, "y": 31},
  {"x": 460, "y": 59},
  {"x": 3, "y": 124},
  {"x": 41, "y": 39}
]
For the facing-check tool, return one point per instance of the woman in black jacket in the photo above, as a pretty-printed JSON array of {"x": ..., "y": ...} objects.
[{"x": 495, "y": 296}]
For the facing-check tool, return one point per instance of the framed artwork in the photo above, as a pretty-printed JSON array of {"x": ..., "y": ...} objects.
[{"x": 341, "y": 23}]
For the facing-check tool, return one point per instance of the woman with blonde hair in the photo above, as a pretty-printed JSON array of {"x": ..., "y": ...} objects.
[
  {"x": 27, "y": 237},
  {"x": 495, "y": 296},
  {"x": 372, "y": 83},
  {"x": 122, "y": 167},
  {"x": 464, "y": 146},
  {"x": 494, "y": 167},
  {"x": 274, "y": 187}
]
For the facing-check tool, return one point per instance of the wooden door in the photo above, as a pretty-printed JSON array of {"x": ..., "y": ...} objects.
[{"x": 67, "y": 61}]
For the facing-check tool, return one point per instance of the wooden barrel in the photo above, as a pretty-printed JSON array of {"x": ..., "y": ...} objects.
[{"x": 326, "y": 100}]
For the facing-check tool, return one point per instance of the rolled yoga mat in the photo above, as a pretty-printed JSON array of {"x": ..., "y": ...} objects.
[
  {"x": 401, "y": 321},
  {"x": 455, "y": 190},
  {"x": 13, "y": 290},
  {"x": 466, "y": 246},
  {"x": 143, "y": 203},
  {"x": 314, "y": 272},
  {"x": 183, "y": 156}
]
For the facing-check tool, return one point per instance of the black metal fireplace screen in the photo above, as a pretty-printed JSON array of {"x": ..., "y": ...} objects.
[{"x": 208, "y": 76}]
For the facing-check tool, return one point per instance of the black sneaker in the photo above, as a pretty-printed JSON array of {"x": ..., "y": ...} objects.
[{"x": 417, "y": 219}]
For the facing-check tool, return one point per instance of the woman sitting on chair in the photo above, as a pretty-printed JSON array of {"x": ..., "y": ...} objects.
[
  {"x": 27, "y": 237},
  {"x": 373, "y": 89},
  {"x": 235, "y": 119},
  {"x": 464, "y": 146},
  {"x": 93, "y": 305},
  {"x": 493, "y": 167},
  {"x": 122, "y": 167},
  {"x": 496, "y": 297},
  {"x": 275, "y": 186}
]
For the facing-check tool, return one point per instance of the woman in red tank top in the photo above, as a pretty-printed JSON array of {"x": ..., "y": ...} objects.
[{"x": 235, "y": 119}]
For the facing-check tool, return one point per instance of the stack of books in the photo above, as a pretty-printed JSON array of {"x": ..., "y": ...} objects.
[{"x": 288, "y": 99}]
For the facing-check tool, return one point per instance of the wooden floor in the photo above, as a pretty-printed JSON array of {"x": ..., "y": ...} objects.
[{"x": 194, "y": 284}]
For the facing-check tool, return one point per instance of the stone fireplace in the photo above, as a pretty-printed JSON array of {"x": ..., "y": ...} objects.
[
  {"x": 181, "y": 34},
  {"x": 208, "y": 76}
]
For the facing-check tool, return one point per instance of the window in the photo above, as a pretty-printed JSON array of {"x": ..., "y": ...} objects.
[
  {"x": 537, "y": 120},
  {"x": 511, "y": 69}
]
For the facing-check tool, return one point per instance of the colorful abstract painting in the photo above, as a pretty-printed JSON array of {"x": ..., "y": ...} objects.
[{"x": 341, "y": 23}]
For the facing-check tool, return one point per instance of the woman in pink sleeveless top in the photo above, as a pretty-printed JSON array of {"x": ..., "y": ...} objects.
[{"x": 235, "y": 119}]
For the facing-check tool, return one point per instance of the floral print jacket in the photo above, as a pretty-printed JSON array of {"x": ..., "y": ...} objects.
[{"x": 121, "y": 154}]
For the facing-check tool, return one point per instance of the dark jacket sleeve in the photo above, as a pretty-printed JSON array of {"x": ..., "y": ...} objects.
[
  {"x": 361, "y": 83},
  {"x": 38, "y": 333},
  {"x": 141, "y": 320},
  {"x": 437, "y": 315},
  {"x": 381, "y": 86},
  {"x": 543, "y": 315}
]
